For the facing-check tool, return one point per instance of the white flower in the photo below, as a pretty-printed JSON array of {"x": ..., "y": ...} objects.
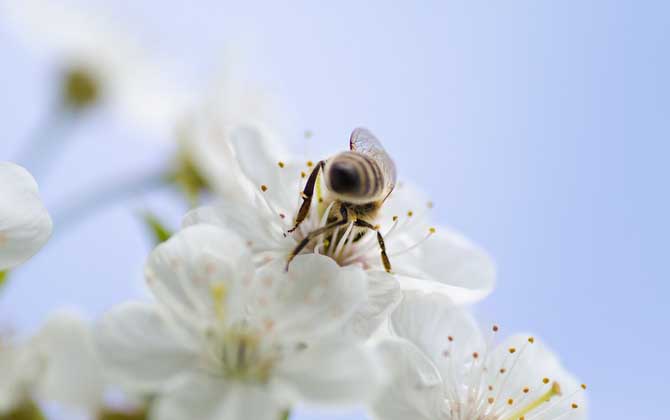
[
  {"x": 25, "y": 225},
  {"x": 260, "y": 185},
  {"x": 228, "y": 341},
  {"x": 446, "y": 370},
  {"x": 100, "y": 62},
  {"x": 58, "y": 365}
]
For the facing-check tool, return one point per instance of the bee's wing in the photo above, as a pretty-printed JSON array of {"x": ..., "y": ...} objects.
[{"x": 363, "y": 141}]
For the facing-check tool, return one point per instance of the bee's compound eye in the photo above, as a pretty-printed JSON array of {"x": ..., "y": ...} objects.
[{"x": 344, "y": 178}]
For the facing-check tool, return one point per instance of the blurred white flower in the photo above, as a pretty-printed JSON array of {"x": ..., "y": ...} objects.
[
  {"x": 260, "y": 185},
  {"x": 25, "y": 225},
  {"x": 57, "y": 365},
  {"x": 100, "y": 62},
  {"x": 229, "y": 341},
  {"x": 445, "y": 369}
]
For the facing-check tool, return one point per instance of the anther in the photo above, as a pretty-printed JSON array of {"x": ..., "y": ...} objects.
[
  {"x": 450, "y": 338},
  {"x": 281, "y": 164},
  {"x": 495, "y": 328},
  {"x": 503, "y": 370},
  {"x": 377, "y": 227},
  {"x": 302, "y": 174},
  {"x": 510, "y": 402},
  {"x": 282, "y": 215},
  {"x": 512, "y": 350},
  {"x": 531, "y": 340},
  {"x": 574, "y": 405},
  {"x": 395, "y": 218},
  {"x": 264, "y": 187},
  {"x": 526, "y": 390},
  {"x": 583, "y": 386},
  {"x": 475, "y": 355},
  {"x": 545, "y": 380},
  {"x": 310, "y": 163},
  {"x": 429, "y": 204},
  {"x": 432, "y": 230},
  {"x": 490, "y": 400},
  {"x": 410, "y": 213}
]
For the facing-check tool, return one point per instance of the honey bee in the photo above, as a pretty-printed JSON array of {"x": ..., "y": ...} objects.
[{"x": 357, "y": 182}]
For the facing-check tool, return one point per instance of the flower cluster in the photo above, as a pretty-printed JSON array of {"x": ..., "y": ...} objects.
[{"x": 318, "y": 280}]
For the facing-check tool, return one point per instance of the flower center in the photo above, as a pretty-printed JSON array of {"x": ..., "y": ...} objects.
[{"x": 80, "y": 88}]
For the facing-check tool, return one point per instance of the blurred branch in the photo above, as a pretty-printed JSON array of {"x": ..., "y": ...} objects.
[
  {"x": 47, "y": 140},
  {"x": 88, "y": 203}
]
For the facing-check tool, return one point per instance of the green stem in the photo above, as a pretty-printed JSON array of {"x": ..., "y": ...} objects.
[{"x": 285, "y": 415}]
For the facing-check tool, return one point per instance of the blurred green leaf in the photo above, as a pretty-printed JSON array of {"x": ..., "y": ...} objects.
[
  {"x": 188, "y": 178},
  {"x": 156, "y": 227},
  {"x": 26, "y": 411},
  {"x": 3, "y": 278},
  {"x": 285, "y": 415},
  {"x": 108, "y": 414}
]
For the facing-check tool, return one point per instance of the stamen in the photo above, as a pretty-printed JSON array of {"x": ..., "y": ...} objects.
[
  {"x": 264, "y": 187},
  {"x": 553, "y": 391},
  {"x": 281, "y": 164},
  {"x": 310, "y": 163}
]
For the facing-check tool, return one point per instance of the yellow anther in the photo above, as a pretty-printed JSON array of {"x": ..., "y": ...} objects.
[
  {"x": 302, "y": 174},
  {"x": 281, "y": 164},
  {"x": 574, "y": 405},
  {"x": 395, "y": 218},
  {"x": 491, "y": 400},
  {"x": 310, "y": 163},
  {"x": 526, "y": 390},
  {"x": 583, "y": 386},
  {"x": 410, "y": 213},
  {"x": 512, "y": 350},
  {"x": 531, "y": 340},
  {"x": 510, "y": 402},
  {"x": 432, "y": 230},
  {"x": 502, "y": 370},
  {"x": 264, "y": 187},
  {"x": 545, "y": 380}
]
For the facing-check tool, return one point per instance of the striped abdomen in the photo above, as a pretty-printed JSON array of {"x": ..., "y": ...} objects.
[{"x": 354, "y": 177}]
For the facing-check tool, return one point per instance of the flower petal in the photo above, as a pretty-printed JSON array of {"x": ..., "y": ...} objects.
[
  {"x": 457, "y": 268},
  {"x": 140, "y": 349},
  {"x": 202, "y": 397},
  {"x": 315, "y": 297},
  {"x": 415, "y": 391},
  {"x": 332, "y": 372},
  {"x": 528, "y": 367},
  {"x": 199, "y": 273},
  {"x": 446, "y": 334},
  {"x": 25, "y": 225},
  {"x": 76, "y": 382},
  {"x": 383, "y": 295}
]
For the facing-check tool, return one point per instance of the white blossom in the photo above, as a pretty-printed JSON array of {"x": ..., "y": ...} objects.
[
  {"x": 25, "y": 225},
  {"x": 445, "y": 369},
  {"x": 109, "y": 64},
  {"x": 259, "y": 185},
  {"x": 228, "y": 341}
]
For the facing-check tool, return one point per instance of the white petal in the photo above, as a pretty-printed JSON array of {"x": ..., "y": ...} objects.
[
  {"x": 527, "y": 367},
  {"x": 315, "y": 297},
  {"x": 25, "y": 225},
  {"x": 383, "y": 295},
  {"x": 19, "y": 366},
  {"x": 455, "y": 266},
  {"x": 140, "y": 349},
  {"x": 72, "y": 372},
  {"x": 184, "y": 272},
  {"x": 415, "y": 391},
  {"x": 332, "y": 372},
  {"x": 202, "y": 397},
  {"x": 428, "y": 320}
]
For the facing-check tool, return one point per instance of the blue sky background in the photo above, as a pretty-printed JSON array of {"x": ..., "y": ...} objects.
[{"x": 540, "y": 130}]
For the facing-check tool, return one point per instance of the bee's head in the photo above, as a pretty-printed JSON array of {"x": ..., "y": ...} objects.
[{"x": 347, "y": 175}]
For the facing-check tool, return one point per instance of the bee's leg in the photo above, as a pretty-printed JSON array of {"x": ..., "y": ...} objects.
[
  {"x": 313, "y": 234},
  {"x": 307, "y": 194},
  {"x": 380, "y": 239}
]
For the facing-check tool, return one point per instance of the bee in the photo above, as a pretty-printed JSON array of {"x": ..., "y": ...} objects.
[{"x": 358, "y": 182}]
